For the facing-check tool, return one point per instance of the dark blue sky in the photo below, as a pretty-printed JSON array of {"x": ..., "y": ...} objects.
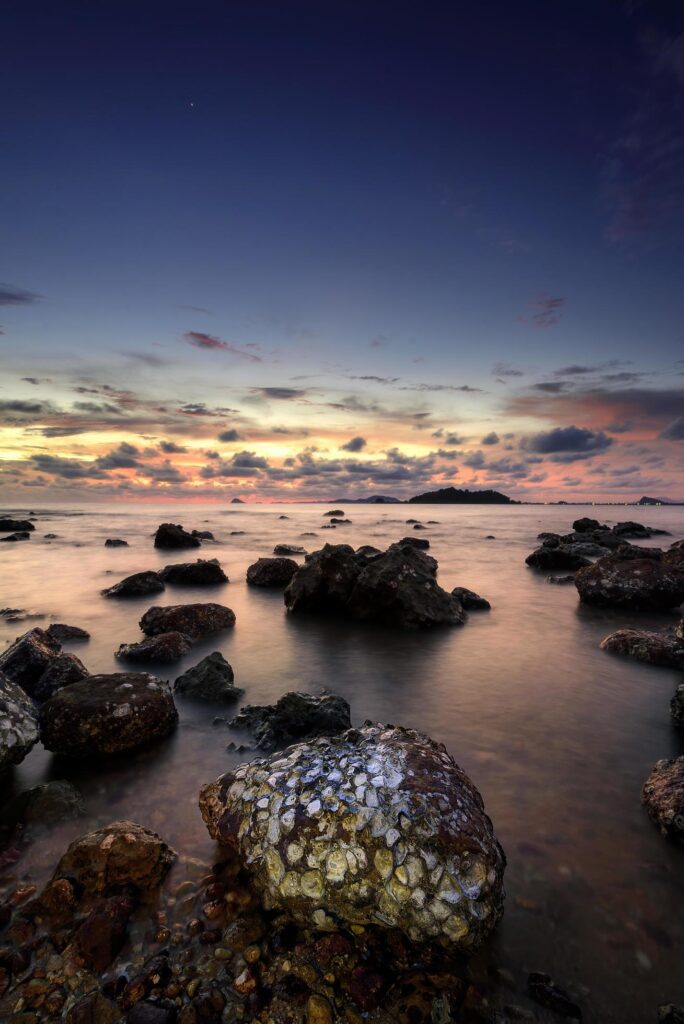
[{"x": 420, "y": 191}]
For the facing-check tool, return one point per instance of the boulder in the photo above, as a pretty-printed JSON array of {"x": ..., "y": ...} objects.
[
  {"x": 162, "y": 647},
  {"x": 115, "y": 542},
  {"x": 211, "y": 679},
  {"x": 194, "y": 621},
  {"x": 120, "y": 856},
  {"x": 469, "y": 600},
  {"x": 62, "y": 633},
  {"x": 203, "y": 572},
  {"x": 12, "y": 525},
  {"x": 416, "y": 542},
  {"x": 551, "y": 558},
  {"x": 288, "y": 549},
  {"x": 202, "y": 534},
  {"x": 171, "y": 535},
  {"x": 623, "y": 580},
  {"x": 663, "y": 796},
  {"x": 63, "y": 670},
  {"x": 25, "y": 661},
  {"x": 18, "y": 725},
  {"x": 107, "y": 714},
  {"x": 137, "y": 585},
  {"x": 325, "y": 581},
  {"x": 101, "y": 935},
  {"x": 12, "y": 537},
  {"x": 585, "y": 525},
  {"x": 376, "y": 826},
  {"x": 334, "y": 512},
  {"x": 664, "y": 648},
  {"x": 271, "y": 572},
  {"x": 295, "y": 716}
]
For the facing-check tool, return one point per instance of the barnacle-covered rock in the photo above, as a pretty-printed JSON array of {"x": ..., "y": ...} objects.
[
  {"x": 376, "y": 826},
  {"x": 665, "y": 648},
  {"x": 633, "y": 578},
  {"x": 663, "y": 796},
  {"x": 18, "y": 725}
]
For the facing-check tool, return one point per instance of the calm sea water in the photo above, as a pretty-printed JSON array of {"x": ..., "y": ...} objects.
[{"x": 557, "y": 735}]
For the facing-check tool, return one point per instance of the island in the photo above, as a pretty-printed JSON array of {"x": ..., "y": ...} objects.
[{"x": 452, "y": 496}]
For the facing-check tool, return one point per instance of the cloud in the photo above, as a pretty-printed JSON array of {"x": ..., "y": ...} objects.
[
  {"x": 36, "y": 380},
  {"x": 506, "y": 370},
  {"x": 438, "y": 387},
  {"x": 229, "y": 435},
  {"x": 171, "y": 448},
  {"x": 211, "y": 343},
  {"x": 551, "y": 387},
  {"x": 356, "y": 444},
  {"x": 474, "y": 460},
  {"x": 547, "y": 311},
  {"x": 675, "y": 431},
  {"x": 22, "y": 406},
  {"x": 491, "y": 438},
  {"x": 373, "y": 378},
  {"x": 574, "y": 440},
  {"x": 10, "y": 296},
  {"x": 123, "y": 457},
  {"x": 280, "y": 394},
  {"x": 195, "y": 309}
]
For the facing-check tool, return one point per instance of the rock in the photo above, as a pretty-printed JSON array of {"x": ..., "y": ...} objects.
[
  {"x": 318, "y": 1010},
  {"x": 469, "y": 600},
  {"x": 664, "y": 649},
  {"x": 341, "y": 522},
  {"x": 335, "y": 512},
  {"x": 25, "y": 661},
  {"x": 170, "y": 535},
  {"x": 663, "y": 796},
  {"x": 12, "y": 525},
  {"x": 94, "y": 1008},
  {"x": 416, "y": 542},
  {"x": 367, "y": 551},
  {"x": 18, "y": 725},
  {"x": 412, "y": 522},
  {"x": 283, "y": 517},
  {"x": 64, "y": 634},
  {"x": 162, "y": 647},
  {"x": 670, "y": 1014},
  {"x": 203, "y": 572},
  {"x": 115, "y": 542},
  {"x": 560, "y": 581},
  {"x": 325, "y": 581},
  {"x": 271, "y": 572},
  {"x": 107, "y": 714},
  {"x": 119, "y": 856},
  {"x": 677, "y": 706},
  {"x": 100, "y": 937},
  {"x": 137, "y": 585},
  {"x": 24, "y": 535},
  {"x": 202, "y": 534},
  {"x": 544, "y": 991},
  {"x": 561, "y": 557},
  {"x": 194, "y": 621},
  {"x": 153, "y": 1013},
  {"x": 295, "y": 716},
  {"x": 51, "y": 536},
  {"x": 288, "y": 549},
  {"x": 47, "y": 804},
  {"x": 63, "y": 670},
  {"x": 376, "y": 826},
  {"x": 584, "y": 525},
  {"x": 419, "y": 526},
  {"x": 622, "y": 580},
  {"x": 211, "y": 679}
]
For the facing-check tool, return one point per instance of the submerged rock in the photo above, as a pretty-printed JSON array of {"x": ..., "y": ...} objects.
[
  {"x": 107, "y": 714},
  {"x": 63, "y": 670},
  {"x": 192, "y": 620},
  {"x": 271, "y": 572},
  {"x": 137, "y": 585},
  {"x": 663, "y": 796},
  {"x": 171, "y": 535},
  {"x": 295, "y": 716},
  {"x": 211, "y": 679},
  {"x": 62, "y": 633},
  {"x": 116, "y": 857},
  {"x": 469, "y": 600},
  {"x": 18, "y": 724},
  {"x": 12, "y": 525},
  {"x": 162, "y": 647},
  {"x": 665, "y": 649},
  {"x": 376, "y": 826},
  {"x": 25, "y": 661},
  {"x": 546, "y": 992},
  {"x": 203, "y": 572},
  {"x": 289, "y": 549},
  {"x": 115, "y": 542},
  {"x": 633, "y": 578},
  {"x": 47, "y": 804}
]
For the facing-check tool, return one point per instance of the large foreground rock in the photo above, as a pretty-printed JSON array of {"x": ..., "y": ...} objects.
[
  {"x": 271, "y": 572},
  {"x": 192, "y": 620},
  {"x": 107, "y": 714},
  {"x": 203, "y": 572},
  {"x": 137, "y": 585},
  {"x": 116, "y": 857},
  {"x": 377, "y": 826},
  {"x": 397, "y": 587},
  {"x": 631, "y": 578},
  {"x": 663, "y": 796},
  {"x": 171, "y": 536},
  {"x": 295, "y": 716},
  {"x": 211, "y": 679},
  {"x": 664, "y": 649},
  {"x": 163, "y": 647},
  {"x": 25, "y": 661},
  {"x": 18, "y": 724}
]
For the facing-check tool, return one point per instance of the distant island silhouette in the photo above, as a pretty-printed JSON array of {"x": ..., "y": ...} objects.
[{"x": 452, "y": 496}]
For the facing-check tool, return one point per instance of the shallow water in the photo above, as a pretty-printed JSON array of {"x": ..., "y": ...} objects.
[{"x": 557, "y": 735}]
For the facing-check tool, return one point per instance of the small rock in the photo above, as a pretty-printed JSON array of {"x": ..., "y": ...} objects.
[
  {"x": 171, "y": 535},
  {"x": 470, "y": 600},
  {"x": 294, "y": 716},
  {"x": 163, "y": 647},
  {"x": 137, "y": 585},
  {"x": 544, "y": 991},
  {"x": 288, "y": 549},
  {"x": 25, "y": 661},
  {"x": 194, "y": 621},
  {"x": 203, "y": 572},
  {"x": 271, "y": 572},
  {"x": 115, "y": 542},
  {"x": 63, "y": 670},
  {"x": 211, "y": 679},
  {"x": 318, "y": 1010},
  {"x": 65, "y": 634},
  {"x": 120, "y": 855}
]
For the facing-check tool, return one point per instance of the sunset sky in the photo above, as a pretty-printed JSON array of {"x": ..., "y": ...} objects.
[{"x": 321, "y": 249}]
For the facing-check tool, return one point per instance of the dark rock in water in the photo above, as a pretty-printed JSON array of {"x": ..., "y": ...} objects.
[
  {"x": 93, "y": 1008},
  {"x": 665, "y": 649},
  {"x": 100, "y": 937},
  {"x": 23, "y": 535},
  {"x": 171, "y": 535},
  {"x": 51, "y": 536},
  {"x": 550, "y": 558},
  {"x": 325, "y": 581},
  {"x": 374, "y": 826},
  {"x": 288, "y": 549},
  {"x": 670, "y": 1014},
  {"x": 470, "y": 600},
  {"x": 115, "y": 542},
  {"x": 12, "y": 525},
  {"x": 560, "y": 581},
  {"x": 677, "y": 706},
  {"x": 328, "y": 526},
  {"x": 62, "y": 633},
  {"x": 283, "y": 517},
  {"x": 584, "y": 525},
  {"x": 211, "y": 679},
  {"x": 47, "y": 804},
  {"x": 663, "y": 796},
  {"x": 295, "y": 716},
  {"x": 107, "y": 714},
  {"x": 334, "y": 512},
  {"x": 630, "y": 529},
  {"x": 367, "y": 551},
  {"x": 544, "y": 991},
  {"x": 624, "y": 581},
  {"x": 116, "y": 858},
  {"x": 163, "y": 647},
  {"x": 237, "y": 533},
  {"x": 27, "y": 658},
  {"x": 63, "y": 670},
  {"x": 192, "y": 620},
  {"x": 154, "y": 1013},
  {"x": 271, "y": 572},
  {"x": 202, "y": 534},
  {"x": 419, "y": 526},
  {"x": 412, "y": 522},
  {"x": 421, "y": 543},
  {"x": 18, "y": 725},
  {"x": 490, "y": 536},
  {"x": 137, "y": 585},
  {"x": 341, "y": 522},
  {"x": 203, "y": 572}
]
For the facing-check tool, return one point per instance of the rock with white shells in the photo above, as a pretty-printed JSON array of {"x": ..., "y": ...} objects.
[
  {"x": 378, "y": 826},
  {"x": 18, "y": 724}
]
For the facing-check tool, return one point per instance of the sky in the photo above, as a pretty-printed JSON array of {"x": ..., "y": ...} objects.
[{"x": 312, "y": 250}]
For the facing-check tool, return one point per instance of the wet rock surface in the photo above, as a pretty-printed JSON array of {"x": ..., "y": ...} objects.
[
  {"x": 163, "y": 647},
  {"x": 664, "y": 648},
  {"x": 119, "y": 856},
  {"x": 203, "y": 572},
  {"x": 107, "y": 714},
  {"x": 25, "y": 661},
  {"x": 469, "y": 600},
  {"x": 194, "y": 621},
  {"x": 551, "y": 557},
  {"x": 634, "y": 578},
  {"x": 271, "y": 572},
  {"x": 376, "y": 826},
  {"x": 171, "y": 536},
  {"x": 211, "y": 679},
  {"x": 115, "y": 542},
  {"x": 294, "y": 716},
  {"x": 62, "y": 633},
  {"x": 288, "y": 549},
  {"x": 663, "y": 797},
  {"x": 677, "y": 706},
  {"x": 18, "y": 723},
  {"x": 63, "y": 670},
  {"x": 137, "y": 585}
]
